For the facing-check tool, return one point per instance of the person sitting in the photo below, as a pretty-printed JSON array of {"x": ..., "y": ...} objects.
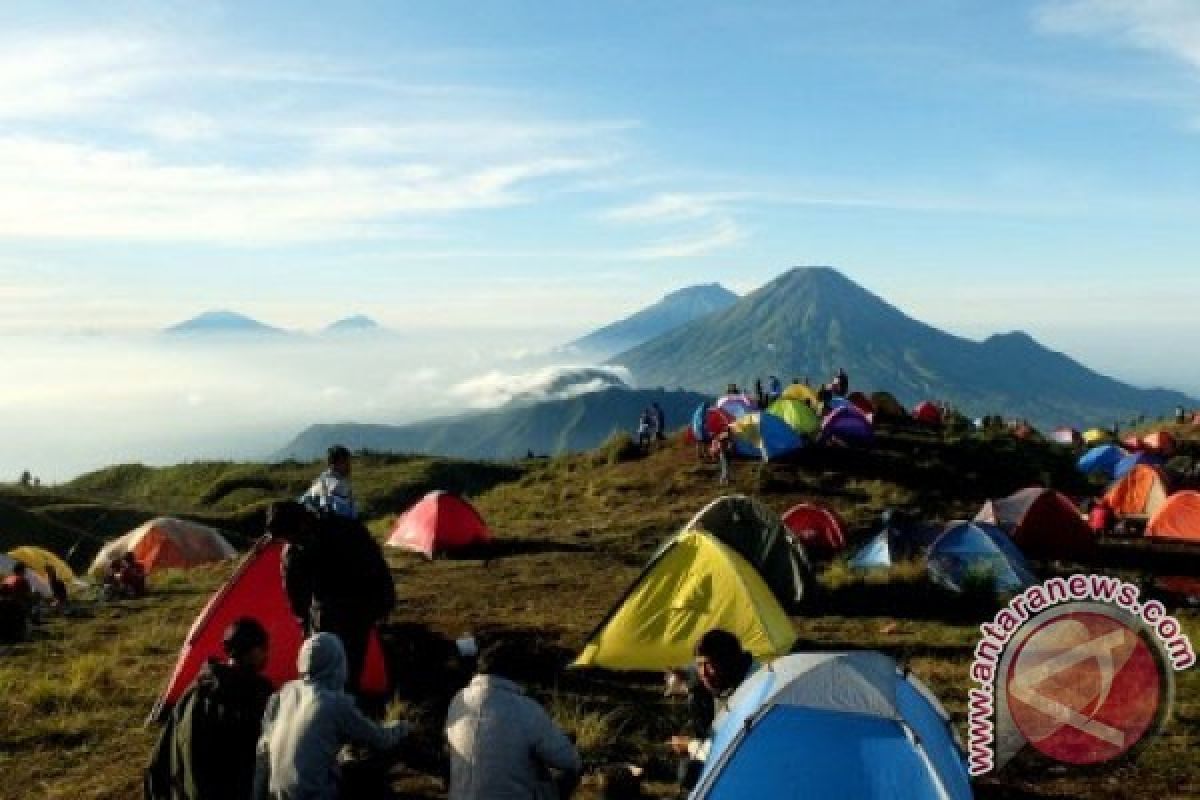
[
  {"x": 331, "y": 491},
  {"x": 308, "y": 722},
  {"x": 502, "y": 743},
  {"x": 16, "y": 605},
  {"x": 206, "y": 750},
  {"x": 721, "y": 666},
  {"x": 131, "y": 577},
  {"x": 59, "y": 598}
]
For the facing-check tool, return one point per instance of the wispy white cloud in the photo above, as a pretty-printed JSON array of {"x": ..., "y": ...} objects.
[
  {"x": 723, "y": 233},
  {"x": 59, "y": 190},
  {"x": 1167, "y": 27},
  {"x": 671, "y": 206}
]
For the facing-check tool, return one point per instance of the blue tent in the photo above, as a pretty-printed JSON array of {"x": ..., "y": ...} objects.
[
  {"x": 778, "y": 438},
  {"x": 847, "y": 724},
  {"x": 1102, "y": 459},
  {"x": 1126, "y": 464},
  {"x": 977, "y": 548},
  {"x": 895, "y": 543}
]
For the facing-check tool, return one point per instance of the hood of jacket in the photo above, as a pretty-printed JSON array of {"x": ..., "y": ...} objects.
[{"x": 322, "y": 661}]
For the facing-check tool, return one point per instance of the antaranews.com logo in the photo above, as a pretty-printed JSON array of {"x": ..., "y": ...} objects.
[{"x": 1077, "y": 668}]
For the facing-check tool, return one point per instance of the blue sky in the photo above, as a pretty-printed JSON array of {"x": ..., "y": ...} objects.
[{"x": 985, "y": 166}]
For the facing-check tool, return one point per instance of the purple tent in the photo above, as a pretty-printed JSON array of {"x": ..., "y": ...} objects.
[{"x": 848, "y": 425}]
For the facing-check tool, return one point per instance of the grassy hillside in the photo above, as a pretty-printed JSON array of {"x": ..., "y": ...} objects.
[{"x": 573, "y": 533}]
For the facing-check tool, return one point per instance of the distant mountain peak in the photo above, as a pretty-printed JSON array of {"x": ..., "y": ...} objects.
[
  {"x": 356, "y": 323},
  {"x": 676, "y": 308},
  {"x": 222, "y": 322}
]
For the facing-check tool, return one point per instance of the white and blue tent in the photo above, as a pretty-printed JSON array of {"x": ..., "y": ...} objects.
[
  {"x": 979, "y": 549},
  {"x": 844, "y": 725}
]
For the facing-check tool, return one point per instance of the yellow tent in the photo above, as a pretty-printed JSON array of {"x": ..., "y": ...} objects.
[
  {"x": 798, "y": 414},
  {"x": 798, "y": 391},
  {"x": 694, "y": 584},
  {"x": 38, "y": 559},
  {"x": 1096, "y": 436}
]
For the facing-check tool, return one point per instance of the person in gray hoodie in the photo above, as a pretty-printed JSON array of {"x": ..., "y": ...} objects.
[
  {"x": 308, "y": 721},
  {"x": 502, "y": 743}
]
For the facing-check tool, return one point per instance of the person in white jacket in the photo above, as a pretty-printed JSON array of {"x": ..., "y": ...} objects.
[
  {"x": 308, "y": 721},
  {"x": 503, "y": 745}
]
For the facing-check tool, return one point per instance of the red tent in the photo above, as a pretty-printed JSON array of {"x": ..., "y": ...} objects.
[
  {"x": 1160, "y": 442},
  {"x": 861, "y": 402},
  {"x": 1042, "y": 522},
  {"x": 927, "y": 413},
  {"x": 819, "y": 529},
  {"x": 440, "y": 521},
  {"x": 256, "y": 590}
]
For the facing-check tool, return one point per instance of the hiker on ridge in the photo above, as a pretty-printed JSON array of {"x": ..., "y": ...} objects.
[
  {"x": 660, "y": 421},
  {"x": 308, "y": 722},
  {"x": 207, "y": 746},
  {"x": 336, "y": 578},
  {"x": 331, "y": 491},
  {"x": 645, "y": 425},
  {"x": 841, "y": 383},
  {"x": 721, "y": 666},
  {"x": 502, "y": 743}
]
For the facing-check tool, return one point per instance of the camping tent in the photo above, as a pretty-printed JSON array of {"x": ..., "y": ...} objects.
[
  {"x": 1102, "y": 459},
  {"x": 1178, "y": 518},
  {"x": 255, "y": 590},
  {"x": 1161, "y": 442},
  {"x": 798, "y": 391},
  {"x": 897, "y": 541},
  {"x": 838, "y": 724},
  {"x": 1140, "y": 493},
  {"x": 798, "y": 414},
  {"x": 927, "y": 413},
  {"x": 736, "y": 405},
  {"x": 1126, "y": 464},
  {"x": 761, "y": 434},
  {"x": 37, "y": 559},
  {"x": 759, "y": 536},
  {"x": 1095, "y": 436},
  {"x": 708, "y": 421},
  {"x": 1042, "y": 522},
  {"x": 819, "y": 529},
  {"x": 847, "y": 425},
  {"x": 967, "y": 550},
  {"x": 887, "y": 407},
  {"x": 693, "y": 584},
  {"x": 861, "y": 402},
  {"x": 36, "y": 581},
  {"x": 439, "y": 522},
  {"x": 164, "y": 543}
]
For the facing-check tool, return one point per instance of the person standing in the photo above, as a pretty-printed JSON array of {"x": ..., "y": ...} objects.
[
  {"x": 336, "y": 578},
  {"x": 660, "y": 421},
  {"x": 331, "y": 491},
  {"x": 502, "y": 743}
]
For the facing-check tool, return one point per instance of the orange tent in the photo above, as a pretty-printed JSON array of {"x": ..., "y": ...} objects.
[
  {"x": 1141, "y": 492},
  {"x": 166, "y": 543},
  {"x": 1179, "y": 518}
]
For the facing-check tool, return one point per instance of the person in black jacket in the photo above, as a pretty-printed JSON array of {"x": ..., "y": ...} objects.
[
  {"x": 206, "y": 750},
  {"x": 336, "y": 578}
]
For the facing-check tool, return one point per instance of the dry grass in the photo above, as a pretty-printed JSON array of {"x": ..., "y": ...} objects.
[{"x": 574, "y": 532}]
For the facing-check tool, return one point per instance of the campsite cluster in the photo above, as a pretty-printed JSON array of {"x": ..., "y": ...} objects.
[{"x": 737, "y": 567}]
